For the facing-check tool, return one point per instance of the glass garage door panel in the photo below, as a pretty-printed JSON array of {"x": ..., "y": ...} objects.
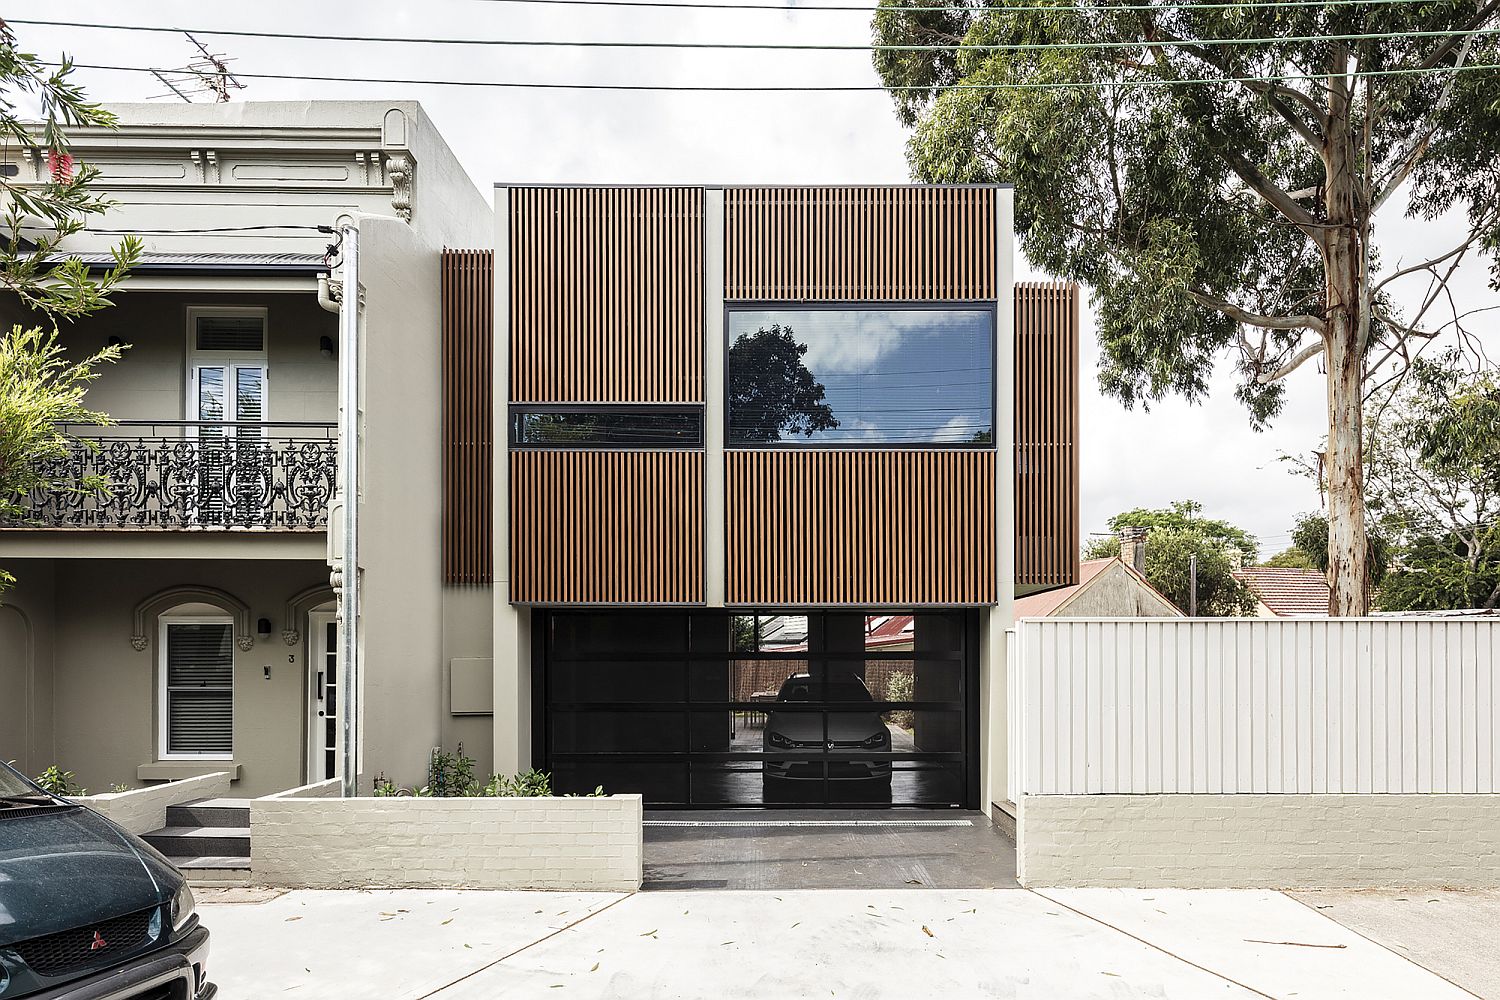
[{"x": 714, "y": 709}]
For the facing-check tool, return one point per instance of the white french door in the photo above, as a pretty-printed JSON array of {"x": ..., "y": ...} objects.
[
  {"x": 325, "y": 736},
  {"x": 229, "y": 457}
]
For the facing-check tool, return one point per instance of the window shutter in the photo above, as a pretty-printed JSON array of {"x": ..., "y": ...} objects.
[
  {"x": 200, "y": 693},
  {"x": 230, "y": 333}
]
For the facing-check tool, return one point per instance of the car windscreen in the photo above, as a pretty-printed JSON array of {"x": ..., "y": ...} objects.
[{"x": 16, "y": 791}]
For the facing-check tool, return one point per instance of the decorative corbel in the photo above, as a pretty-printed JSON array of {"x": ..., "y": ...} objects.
[{"x": 400, "y": 167}]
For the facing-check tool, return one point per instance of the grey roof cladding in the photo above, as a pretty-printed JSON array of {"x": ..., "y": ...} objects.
[{"x": 214, "y": 263}]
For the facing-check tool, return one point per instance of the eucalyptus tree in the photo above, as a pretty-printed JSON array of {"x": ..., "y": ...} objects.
[{"x": 1213, "y": 172}]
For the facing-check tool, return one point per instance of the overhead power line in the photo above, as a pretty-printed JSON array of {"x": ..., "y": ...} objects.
[
  {"x": 820, "y": 88},
  {"x": 1014, "y": 9},
  {"x": 759, "y": 46}
]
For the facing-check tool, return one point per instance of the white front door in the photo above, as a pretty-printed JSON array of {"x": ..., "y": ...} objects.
[{"x": 325, "y": 737}]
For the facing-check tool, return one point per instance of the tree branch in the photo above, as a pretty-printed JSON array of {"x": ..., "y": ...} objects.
[
  {"x": 1234, "y": 312},
  {"x": 1293, "y": 363}
]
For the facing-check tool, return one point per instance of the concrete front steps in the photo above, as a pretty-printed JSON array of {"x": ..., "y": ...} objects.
[{"x": 209, "y": 840}]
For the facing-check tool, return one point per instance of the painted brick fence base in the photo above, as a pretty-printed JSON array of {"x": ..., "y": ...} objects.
[
  {"x": 475, "y": 843},
  {"x": 1259, "y": 841}
]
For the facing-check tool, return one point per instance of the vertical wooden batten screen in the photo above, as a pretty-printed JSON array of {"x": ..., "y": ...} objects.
[
  {"x": 860, "y": 527},
  {"x": 860, "y": 244},
  {"x": 1047, "y": 482},
  {"x": 468, "y": 309},
  {"x": 606, "y": 527},
  {"x": 606, "y": 295}
]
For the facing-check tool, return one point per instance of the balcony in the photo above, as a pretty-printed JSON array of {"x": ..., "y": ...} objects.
[{"x": 184, "y": 475}]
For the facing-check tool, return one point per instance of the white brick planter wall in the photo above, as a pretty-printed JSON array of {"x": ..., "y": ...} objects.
[
  {"x": 1260, "y": 841},
  {"x": 142, "y": 810},
  {"x": 478, "y": 843}
]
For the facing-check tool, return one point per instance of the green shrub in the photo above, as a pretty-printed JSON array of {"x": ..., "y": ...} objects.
[
  {"x": 451, "y": 775},
  {"x": 60, "y": 782}
]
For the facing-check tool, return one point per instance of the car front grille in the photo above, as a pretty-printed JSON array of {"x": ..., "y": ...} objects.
[{"x": 90, "y": 944}]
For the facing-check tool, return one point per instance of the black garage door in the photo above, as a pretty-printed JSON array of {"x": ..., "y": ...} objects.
[{"x": 708, "y": 708}]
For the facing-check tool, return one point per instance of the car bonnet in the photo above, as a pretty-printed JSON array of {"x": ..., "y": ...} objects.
[{"x": 69, "y": 867}]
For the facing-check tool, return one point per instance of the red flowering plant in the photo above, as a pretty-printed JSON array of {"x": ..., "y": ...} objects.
[{"x": 40, "y": 209}]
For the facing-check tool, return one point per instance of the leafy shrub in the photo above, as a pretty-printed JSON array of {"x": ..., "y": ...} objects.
[
  {"x": 451, "y": 775},
  {"x": 60, "y": 782}
]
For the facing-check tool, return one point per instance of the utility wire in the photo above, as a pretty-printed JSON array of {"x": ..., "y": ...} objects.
[
  {"x": 759, "y": 46},
  {"x": 1016, "y": 9},
  {"x": 821, "y": 88}
]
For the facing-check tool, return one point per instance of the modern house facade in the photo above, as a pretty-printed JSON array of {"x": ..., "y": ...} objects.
[
  {"x": 733, "y": 428},
  {"x": 722, "y": 495}
]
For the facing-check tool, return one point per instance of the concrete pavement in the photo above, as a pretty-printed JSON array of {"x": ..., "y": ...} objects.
[{"x": 867, "y": 944}]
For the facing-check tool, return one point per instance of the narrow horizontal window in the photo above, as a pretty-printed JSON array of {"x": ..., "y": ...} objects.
[
  {"x": 607, "y": 427},
  {"x": 861, "y": 375}
]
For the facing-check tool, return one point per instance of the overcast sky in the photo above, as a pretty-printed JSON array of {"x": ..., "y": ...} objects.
[{"x": 1130, "y": 458}]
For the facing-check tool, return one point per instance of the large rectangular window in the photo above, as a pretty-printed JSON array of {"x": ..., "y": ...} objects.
[
  {"x": 197, "y": 687},
  {"x": 861, "y": 375}
]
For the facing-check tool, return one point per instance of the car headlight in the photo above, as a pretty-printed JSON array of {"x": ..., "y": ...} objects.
[
  {"x": 874, "y": 742},
  {"x": 183, "y": 907},
  {"x": 777, "y": 740}
]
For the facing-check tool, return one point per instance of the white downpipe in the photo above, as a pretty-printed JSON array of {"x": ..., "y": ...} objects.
[{"x": 348, "y": 549}]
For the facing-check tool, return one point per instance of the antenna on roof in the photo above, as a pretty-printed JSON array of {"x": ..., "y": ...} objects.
[{"x": 208, "y": 73}]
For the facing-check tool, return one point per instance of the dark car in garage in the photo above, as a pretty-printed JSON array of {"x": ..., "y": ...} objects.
[
  {"x": 852, "y": 745},
  {"x": 89, "y": 911}
]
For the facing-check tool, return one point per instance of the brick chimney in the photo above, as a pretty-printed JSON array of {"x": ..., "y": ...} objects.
[{"x": 1133, "y": 548}]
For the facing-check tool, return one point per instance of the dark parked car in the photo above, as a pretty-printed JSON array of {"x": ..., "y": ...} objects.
[
  {"x": 88, "y": 911},
  {"x": 852, "y": 733}
]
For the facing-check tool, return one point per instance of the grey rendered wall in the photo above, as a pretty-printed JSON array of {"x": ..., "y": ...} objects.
[
  {"x": 407, "y": 610},
  {"x": 26, "y": 637},
  {"x": 149, "y": 382},
  {"x": 104, "y": 692}
]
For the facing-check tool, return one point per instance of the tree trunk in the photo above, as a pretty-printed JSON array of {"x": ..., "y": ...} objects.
[{"x": 1348, "y": 569}]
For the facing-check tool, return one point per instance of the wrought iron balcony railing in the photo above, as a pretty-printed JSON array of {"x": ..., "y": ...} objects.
[{"x": 185, "y": 474}]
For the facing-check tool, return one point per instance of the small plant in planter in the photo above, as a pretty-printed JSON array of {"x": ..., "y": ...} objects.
[
  {"x": 451, "y": 775},
  {"x": 60, "y": 782},
  {"x": 119, "y": 786}
]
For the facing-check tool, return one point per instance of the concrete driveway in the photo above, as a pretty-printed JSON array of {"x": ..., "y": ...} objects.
[{"x": 870, "y": 944}]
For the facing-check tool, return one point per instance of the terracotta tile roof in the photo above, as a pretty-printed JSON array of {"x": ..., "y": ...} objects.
[{"x": 1289, "y": 593}]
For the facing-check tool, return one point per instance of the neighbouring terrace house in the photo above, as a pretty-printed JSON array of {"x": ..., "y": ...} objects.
[{"x": 184, "y": 623}]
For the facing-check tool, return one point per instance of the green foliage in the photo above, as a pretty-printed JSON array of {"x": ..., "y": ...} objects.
[
  {"x": 39, "y": 390},
  {"x": 770, "y": 391},
  {"x": 37, "y": 217},
  {"x": 1433, "y": 483},
  {"x": 1169, "y": 552},
  {"x": 1102, "y": 547},
  {"x": 1294, "y": 558},
  {"x": 1174, "y": 535},
  {"x": 451, "y": 775},
  {"x": 1310, "y": 538},
  {"x": 118, "y": 786},
  {"x": 899, "y": 688},
  {"x": 60, "y": 782},
  {"x": 1184, "y": 514}
]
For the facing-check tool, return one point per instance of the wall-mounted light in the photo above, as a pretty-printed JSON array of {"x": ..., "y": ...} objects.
[
  {"x": 263, "y": 628},
  {"x": 325, "y": 346},
  {"x": 115, "y": 342}
]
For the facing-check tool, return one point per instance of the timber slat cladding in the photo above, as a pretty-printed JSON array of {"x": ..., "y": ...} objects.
[
  {"x": 606, "y": 295},
  {"x": 606, "y": 527},
  {"x": 1047, "y": 505},
  {"x": 860, "y": 527},
  {"x": 859, "y": 243},
  {"x": 468, "y": 309}
]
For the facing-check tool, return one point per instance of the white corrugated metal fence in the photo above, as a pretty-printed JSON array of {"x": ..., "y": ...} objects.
[{"x": 1143, "y": 706}]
